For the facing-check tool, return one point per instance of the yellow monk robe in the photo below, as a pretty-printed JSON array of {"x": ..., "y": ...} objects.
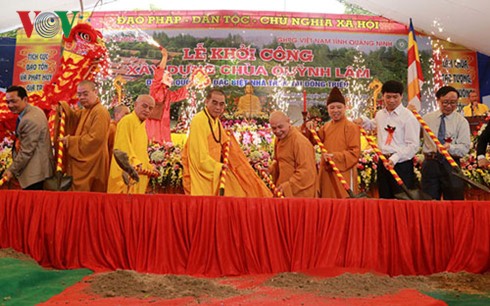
[
  {"x": 202, "y": 167},
  {"x": 131, "y": 138},
  {"x": 294, "y": 164},
  {"x": 87, "y": 156},
  {"x": 343, "y": 140}
]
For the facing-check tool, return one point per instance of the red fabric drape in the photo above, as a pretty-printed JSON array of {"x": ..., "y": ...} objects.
[{"x": 218, "y": 236}]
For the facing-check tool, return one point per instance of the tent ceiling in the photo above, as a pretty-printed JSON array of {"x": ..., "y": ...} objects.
[{"x": 462, "y": 22}]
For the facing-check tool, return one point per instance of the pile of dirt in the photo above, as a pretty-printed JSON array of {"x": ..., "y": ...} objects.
[
  {"x": 124, "y": 283},
  {"x": 132, "y": 284},
  {"x": 361, "y": 285},
  {"x": 11, "y": 253}
]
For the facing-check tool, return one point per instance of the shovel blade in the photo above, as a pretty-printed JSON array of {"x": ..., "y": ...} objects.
[
  {"x": 361, "y": 195},
  {"x": 58, "y": 182},
  {"x": 461, "y": 175},
  {"x": 413, "y": 194},
  {"x": 122, "y": 161}
]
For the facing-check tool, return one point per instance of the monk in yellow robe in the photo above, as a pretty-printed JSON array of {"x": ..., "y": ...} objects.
[
  {"x": 202, "y": 156},
  {"x": 131, "y": 138},
  {"x": 342, "y": 140},
  {"x": 119, "y": 112},
  {"x": 249, "y": 104},
  {"x": 87, "y": 155},
  {"x": 294, "y": 167}
]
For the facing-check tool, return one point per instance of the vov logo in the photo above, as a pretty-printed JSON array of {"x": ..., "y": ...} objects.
[{"x": 47, "y": 24}]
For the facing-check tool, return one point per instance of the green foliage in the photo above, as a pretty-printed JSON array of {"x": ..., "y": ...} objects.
[
  {"x": 354, "y": 9},
  {"x": 9, "y": 34}
]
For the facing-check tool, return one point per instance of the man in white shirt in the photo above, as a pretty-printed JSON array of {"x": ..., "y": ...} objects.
[
  {"x": 398, "y": 134},
  {"x": 453, "y": 131}
]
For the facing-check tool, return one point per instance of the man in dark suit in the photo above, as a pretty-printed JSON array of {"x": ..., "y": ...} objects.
[{"x": 32, "y": 157}]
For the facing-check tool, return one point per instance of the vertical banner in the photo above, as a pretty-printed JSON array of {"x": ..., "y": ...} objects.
[
  {"x": 35, "y": 65},
  {"x": 36, "y": 60},
  {"x": 458, "y": 67}
]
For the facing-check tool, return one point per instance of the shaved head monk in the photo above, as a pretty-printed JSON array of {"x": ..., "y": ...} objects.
[
  {"x": 293, "y": 168},
  {"x": 86, "y": 143}
]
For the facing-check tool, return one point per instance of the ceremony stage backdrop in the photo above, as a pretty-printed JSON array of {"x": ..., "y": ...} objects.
[
  {"x": 217, "y": 236},
  {"x": 278, "y": 52}
]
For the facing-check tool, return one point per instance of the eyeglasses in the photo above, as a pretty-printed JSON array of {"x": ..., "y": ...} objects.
[{"x": 449, "y": 102}]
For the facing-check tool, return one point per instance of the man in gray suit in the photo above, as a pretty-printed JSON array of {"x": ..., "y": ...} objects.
[{"x": 32, "y": 157}]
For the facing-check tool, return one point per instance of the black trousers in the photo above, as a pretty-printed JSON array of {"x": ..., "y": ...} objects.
[
  {"x": 387, "y": 185},
  {"x": 35, "y": 186},
  {"x": 438, "y": 181}
]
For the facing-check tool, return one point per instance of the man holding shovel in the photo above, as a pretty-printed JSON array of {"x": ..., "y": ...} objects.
[
  {"x": 86, "y": 143},
  {"x": 294, "y": 167},
  {"x": 342, "y": 140},
  {"x": 453, "y": 131},
  {"x": 32, "y": 160},
  {"x": 131, "y": 138},
  {"x": 204, "y": 160},
  {"x": 398, "y": 139}
]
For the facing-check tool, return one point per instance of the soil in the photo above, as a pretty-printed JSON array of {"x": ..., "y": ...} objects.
[
  {"x": 11, "y": 253},
  {"x": 132, "y": 284},
  {"x": 124, "y": 283}
]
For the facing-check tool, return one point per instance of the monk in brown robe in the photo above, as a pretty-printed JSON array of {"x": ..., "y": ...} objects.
[
  {"x": 342, "y": 140},
  {"x": 86, "y": 150},
  {"x": 294, "y": 167}
]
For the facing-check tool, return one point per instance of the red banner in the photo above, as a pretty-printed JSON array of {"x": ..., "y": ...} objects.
[{"x": 246, "y": 19}]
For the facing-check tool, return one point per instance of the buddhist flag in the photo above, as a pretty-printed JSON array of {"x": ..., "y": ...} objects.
[{"x": 415, "y": 79}]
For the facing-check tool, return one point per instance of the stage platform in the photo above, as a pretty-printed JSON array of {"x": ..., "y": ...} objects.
[{"x": 218, "y": 236}]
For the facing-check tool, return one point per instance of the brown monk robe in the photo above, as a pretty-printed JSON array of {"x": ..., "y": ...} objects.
[
  {"x": 342, "y": 140},
  {"x": 294, "y": 167},
  {"x": 86, "y": 150}
]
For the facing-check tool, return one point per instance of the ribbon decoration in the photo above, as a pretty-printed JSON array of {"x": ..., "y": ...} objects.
[
  {"x": 59, "y": 159},
  {"x": 391, "y": 130},
  {"x": 432, "y": 136},
  {"x": 149, "y": 173},
  {"x": 269, "y": 181},
  {"x": 3, "y": 180},
  {"x": 226, "y": 161},
  {"x": 378, "y": 152},
  {"x": 333, "y": 165}
]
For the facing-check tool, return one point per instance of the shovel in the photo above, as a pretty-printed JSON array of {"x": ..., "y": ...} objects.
[
  {"x": 122, "y": 161},
  {"x": 59, "y": 181},
  {"x": 269, "y": 181},
  {"x": 339, "y": 175},
  {"x": 407, "y": 194},
  {"x": 226, "y": 154}
]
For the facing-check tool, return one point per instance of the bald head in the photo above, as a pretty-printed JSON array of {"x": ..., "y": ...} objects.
[
  {"x": 280, "y": 124},
  {"x": 278, "y": 116},
  {"x": 143, "y": 106},
  {"x": 87, "y": 94},
  {"x": 120, "y": 111}
]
